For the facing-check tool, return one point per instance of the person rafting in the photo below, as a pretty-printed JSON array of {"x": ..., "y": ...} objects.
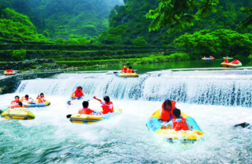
[
  {"x": 85, "y": 109},
  {"x": 9, "y": 71},
  {"x": 236, "y": 61},
  {"x": 41, "y": 98},
  {"x": 226, "y": 60},
  {"x": 107, "y": 105},
  {"x": 26, "y": 99},
  {"x": 16, "y": 101},
  {"x": 204, "y": 57},
  {"x": 78, "y": 93},
  {"x": 130, "y": 70},
  {"x": 124, "y": 69},
  {"x": 179, "y": 122},
  {"x": 167, "y": 110},
  {"x": 211, "y": 57}
]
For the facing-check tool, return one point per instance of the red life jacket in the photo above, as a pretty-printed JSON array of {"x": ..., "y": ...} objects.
[
  {"x": 106, "y": 109},
  {"x": 77, "y": 93},
  {"x": 236, "y": 61},
  {"x": 211, "y": 57},
  {"x": 124, "y": 69},
  {"x": 226, "y": 61},
  {"x": 86, "y": 111},
  {"x": 167, "y": 115},
  {"x": 180, "y": 125},
  {"x": 129, "y": 70}
]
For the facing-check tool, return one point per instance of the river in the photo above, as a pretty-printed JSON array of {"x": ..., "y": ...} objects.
[{"x": 215, "y": 99}]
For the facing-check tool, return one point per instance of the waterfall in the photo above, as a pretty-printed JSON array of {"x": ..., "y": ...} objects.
[{"x": 212, "y": 87}]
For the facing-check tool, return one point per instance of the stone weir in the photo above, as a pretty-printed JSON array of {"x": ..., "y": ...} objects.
[{"x": 10, "y": 83}]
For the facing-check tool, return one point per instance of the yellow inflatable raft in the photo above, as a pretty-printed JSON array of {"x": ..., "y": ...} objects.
[
  {"x": 126, "y": 75},
  {"x": 89, "y": 119},
  {"x": 194, "y": 133},
  {"x": 18, "y": 114},
  {"x": 230, "y": 65}
]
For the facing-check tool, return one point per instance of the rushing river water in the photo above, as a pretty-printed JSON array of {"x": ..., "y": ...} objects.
[{"x": 216, "y": 100}]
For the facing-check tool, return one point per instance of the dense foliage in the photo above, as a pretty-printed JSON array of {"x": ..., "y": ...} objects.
[
  {"x": 217, "y": 43},
  {"x": 66, "y": 18},
  {"x": 132, "y": 17},
  {"x": 19, "y": 28}
]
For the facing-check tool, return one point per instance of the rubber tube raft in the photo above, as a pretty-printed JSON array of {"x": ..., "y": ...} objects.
[
  {"x": 193, "y": 134},
  {"x": 126, "y": 75},
  {"x": 207, "y": 59},
  {"x": 35, "y": 103},
  {"x": 89, "y": 119},
  {"x": 9, "y": 73},
  {"x": 76, "y": 98},
  {"x": 18, "y": 114},
  {"x": 230, "y": 65}
]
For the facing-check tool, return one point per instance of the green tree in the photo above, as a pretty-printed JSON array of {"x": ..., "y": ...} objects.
[
  {"x": 248, "y": 20},
  {"x": 174, "y": 13},
  {"x": 60, "y": 41},
  {"x": 140, "y": 41}
]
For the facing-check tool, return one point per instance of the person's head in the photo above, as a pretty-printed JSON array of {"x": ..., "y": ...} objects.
[
  {"x": 177, "y": 113},
  {"x": 79, "y": 88},
  {"x": 26, "y": 96},
  {"x": 167, "y": 105},
  {"x": 16, "y": 98},
  {"x": 124, "y": 66},
  {"x": 85, "y": 104},
  {"x": 20, "y": 104},
  {"x": 130, "y": 67},
  {"x": 106, "y": 99},
  {"x": 41, "y": 94}
]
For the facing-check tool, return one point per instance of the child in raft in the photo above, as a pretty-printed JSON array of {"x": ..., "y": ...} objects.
[
  {"x": 236, "y": 61},
  {"x": 178, "y": 123},
  {"x": 87, "y": 110},
  {"x": 78, "y": 93},
  {"x": 41, "y": 98},
  {"x": 27, "y": 100},
  {"x": 124, "y": 69},
  {"x": 107, "y": 105},
  {"x": 16, "y": 100},
  {"x": 130, "y": 70}
]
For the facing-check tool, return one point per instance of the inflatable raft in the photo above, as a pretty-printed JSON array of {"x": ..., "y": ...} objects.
[
  {"x": 18, "y": 114},
  {"x": 207, "y": 59},
  {"x": 9, "y": 73},
  {"x": 76, "y": 98},
  {"x": 35, "y": 103},
  {"x": 89, "y": 119},
  {"x": 126, "y": 75},
  {"x": 193, "y": 134},
  {"x": 230, "y": 65}
]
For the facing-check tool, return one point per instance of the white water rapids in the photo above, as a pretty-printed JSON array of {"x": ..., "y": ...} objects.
[{"x": 216, "y": 102}]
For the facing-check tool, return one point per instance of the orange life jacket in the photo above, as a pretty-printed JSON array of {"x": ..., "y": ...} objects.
[
  {"x": 180, "y": 124},
  {"x": 106, "y": 109},
  {"x": 167, "y": 115},
  {"x": 236, "y": 61},
  {"x": 124, "y": 69},
  {"x": 129, "y": 70},
  {"x": 86, "y": 111}
]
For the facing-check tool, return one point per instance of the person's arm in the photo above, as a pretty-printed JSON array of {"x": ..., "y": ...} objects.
[{"x": 97, "y": 99}]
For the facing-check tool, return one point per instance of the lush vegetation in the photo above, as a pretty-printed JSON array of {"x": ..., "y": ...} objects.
[
  {"x": 217, "y": 43},
  {"x": 144, "y": 60},
  {"x": 17, "y": 27},
  {"x": 66, "y": 18},
  {"x": 132, "y": 16}
]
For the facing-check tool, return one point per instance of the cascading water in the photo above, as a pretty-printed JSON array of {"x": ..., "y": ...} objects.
[
  {"x": 215, "y": 90},
  {"x": 51, "y": 138}
]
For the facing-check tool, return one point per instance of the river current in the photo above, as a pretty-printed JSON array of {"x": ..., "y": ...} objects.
[{"x": 216, "y": 100}]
